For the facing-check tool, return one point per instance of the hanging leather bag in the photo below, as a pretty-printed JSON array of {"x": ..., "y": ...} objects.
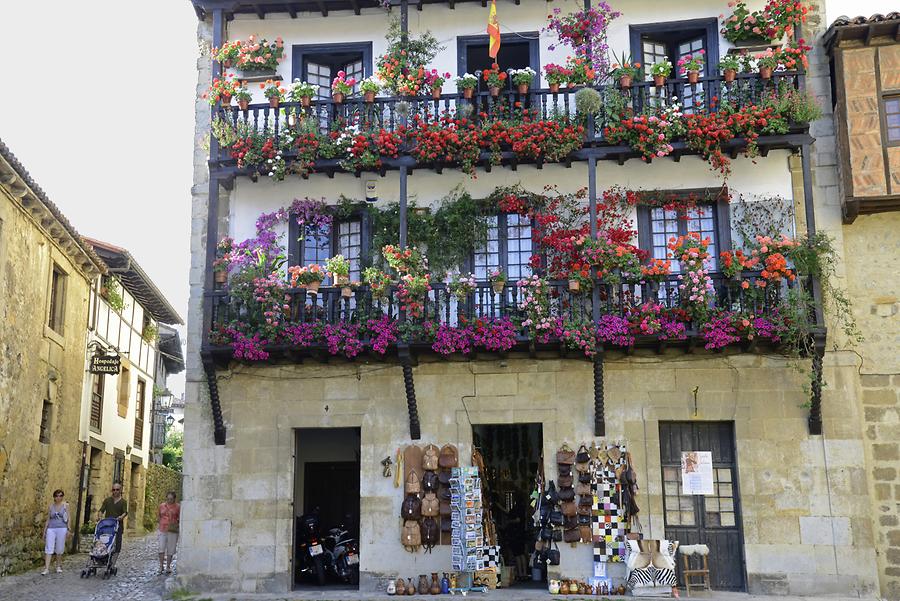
[
  {"x": 445, "y": 509},
  {"x": 556, "y": 517},
  {"x": 444, "y": 477},
  {"x": 430, "y": 458},
  {"x": 584, "y": 533},
  {"x": 564, "y": 470},
  {"x": 449, "y": 457},
  {"x": 565, "y": 481},
  {"x": 557, "y": 534},
  {"x": 583, "y": 488},
  {"x": 431, "y": 506},
  {"x": 572, "y": 535},
  {"x": 413, "y": 485},
  {"x": 546, "y": 533},
  {"x": 411, "y": 508},
  {"x": 582, "y": 456},
  {"x": 566, "y": 494},
  {"x": 410, "y": 535},
  {"x": 431, "y": 534},
  {"x": 568, "y": 509},
  {"x": 586, "y": 501},
  {"x": 565, "y": 455},
  {"x": 553, "y": 556},
  {"x": 584, "y": 477},
  {"x": 584, "y": 520},
  {"x": 551, "y": 496},
  {"x": 584, "y": 509},
  {"x": 430, "y": 481}
]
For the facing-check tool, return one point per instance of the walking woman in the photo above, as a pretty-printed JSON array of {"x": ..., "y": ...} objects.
[
  {"x": 167, "y": 537},
  {"x": 56, "y": 530}
]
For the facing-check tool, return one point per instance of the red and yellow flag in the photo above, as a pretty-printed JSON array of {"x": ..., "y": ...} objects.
[{"x": 493, "y": 29}]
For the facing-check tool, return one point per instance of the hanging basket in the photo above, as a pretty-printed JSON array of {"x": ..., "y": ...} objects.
[{"x": 498, "y": 287}]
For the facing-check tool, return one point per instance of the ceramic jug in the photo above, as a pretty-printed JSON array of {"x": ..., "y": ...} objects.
[
  {"x": 391, "y": 587},
  {"x": 573, "y": 588},
  {"x": 400, "y": 586},
  {"x": 453, "y": 580},
  {"x": 554, "y": 587},
  {"x": 445, "y": 585},
  {"x": 435, "y": 585},
  {"x": 423, "y": 584},
  {"x": 410, "y": 587}
]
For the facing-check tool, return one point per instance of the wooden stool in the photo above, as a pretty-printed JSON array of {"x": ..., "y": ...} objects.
[{"x": 689, "y": 573}]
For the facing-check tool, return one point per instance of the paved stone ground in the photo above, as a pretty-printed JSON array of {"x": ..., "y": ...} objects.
[{"x": 137, "y": 579}]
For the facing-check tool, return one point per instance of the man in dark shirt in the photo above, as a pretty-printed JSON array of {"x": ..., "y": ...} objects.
[{"x": 115, "y": 507}]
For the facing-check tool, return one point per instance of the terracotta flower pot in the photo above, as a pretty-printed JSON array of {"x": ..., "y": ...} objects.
[
  {"x": 659, "y": 80},
  {"x": 436, "y": 93},
  {"x": 342, "y": 280},
  {"x": 554, "y": 88},
  {"x": 498, "y": 287},
  {"x": 729, "y": 75},
  {"x": 765, "y": 72},
  {"x": 274, "y": 101},
  {"x": 625, "y": 82},
  {"x": 244, "y": 104},
  {"x": 693, "y": 76},
  {"x": 523, "y": 88},
  {"x": 468, "y": 92},
  {"x": 495, "y": 90},
  {"x": 338, "y": 98},
  {"x": 305, "y": 101},
  {"x": 346, "y": 292},
  {"x": 574, "y": 285},
  {"x": 369, "y": 97},
  {"x": 225, "y": 99},
  {"x": 221, "y": 278},
  {"x": 313, "y": 287}
]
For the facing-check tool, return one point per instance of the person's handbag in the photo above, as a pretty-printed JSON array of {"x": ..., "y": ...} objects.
[{"x": 565, "y": 455}]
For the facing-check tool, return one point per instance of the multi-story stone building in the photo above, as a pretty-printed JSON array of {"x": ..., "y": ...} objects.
[
  {"x": 46, "y": 271},
  {"x": 126, "y": 316},
  {"x": 278, "y": 421}
]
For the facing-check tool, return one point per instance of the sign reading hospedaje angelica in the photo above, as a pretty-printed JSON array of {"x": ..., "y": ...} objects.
[{"x": 106, "y": 364}]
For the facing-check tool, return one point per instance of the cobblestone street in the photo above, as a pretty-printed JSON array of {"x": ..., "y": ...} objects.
[{"x": 137, "y": 578}]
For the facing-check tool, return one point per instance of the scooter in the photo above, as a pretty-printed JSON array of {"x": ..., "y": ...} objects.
[
  {"x": 342, "y": 555},
  {"x": 310, "y": 550}
]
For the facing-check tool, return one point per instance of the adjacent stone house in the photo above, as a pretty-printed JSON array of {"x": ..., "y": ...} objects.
[
  {"x": 279, "y": 423},
  {"x": 46, "y": 271}
]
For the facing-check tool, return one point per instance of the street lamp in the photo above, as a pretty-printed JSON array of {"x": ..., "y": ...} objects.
[{"x": 170, "y": 420}]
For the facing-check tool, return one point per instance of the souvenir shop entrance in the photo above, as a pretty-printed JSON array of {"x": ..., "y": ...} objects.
[
  {"x": 712, "y": 519},
  {"x": 512, "y": 459}
]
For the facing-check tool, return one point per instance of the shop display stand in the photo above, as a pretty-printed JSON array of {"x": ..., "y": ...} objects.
[{"x": 467, "y": 544}]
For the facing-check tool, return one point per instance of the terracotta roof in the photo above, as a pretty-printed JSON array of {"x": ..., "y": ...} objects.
[
  {"x": 26, "y": 178},
  {"x": 136, "y": 281},
  {"x": 863, "y": 28}
]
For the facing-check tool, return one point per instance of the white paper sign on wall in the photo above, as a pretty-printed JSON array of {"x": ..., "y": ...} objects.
[{"x": 697, "y": 473}]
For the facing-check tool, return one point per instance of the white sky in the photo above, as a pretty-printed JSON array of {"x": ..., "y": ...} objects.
[{"x": 98, "y": 104}]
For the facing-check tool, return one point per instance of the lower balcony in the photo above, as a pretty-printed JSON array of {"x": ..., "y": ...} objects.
[{"x": 534, "y": 316}]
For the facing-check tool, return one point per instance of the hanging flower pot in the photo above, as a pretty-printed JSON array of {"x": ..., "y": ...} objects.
[
  {"x": 729, "y": 74},
  {"x": 313, "y": 287},
  {"x": 659, "y": 80},
  {"x": 221, "y": 278},
  {"x": 468, "y": 92},
  {"x": 369, "y": 97},
  {"x": 693, "y": 76},
  {"x": 523, "y": 88},
  {"x": 436, "y": 93},
  {"x": 498, "y": 287},
  {"x": 495, "y": 91},
  {"x": 554, "y": 88},
  {"x": 338, "y": 98},
  {"x": 574, "y": 286},
  {"x": 225, "y": 99},
  {"x": 274, "y": 101},
  {"x": 244, "y": 104},
  {"x": 765, "y": 72},
  {"x": 625, "y": 82},
  {"x": 346, "y": 292},
  {"x": 305, "y": 101}
]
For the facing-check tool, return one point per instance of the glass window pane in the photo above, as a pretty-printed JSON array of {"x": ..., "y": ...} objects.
[
  {"x": 727, "y": 519},
  {"x": 727, "y": 504},
  {"x": 723, "y": 475},
  {"x": 673, "y": 518},
  {"x": 894, "y": 134},
  {"x": 687, "y": 518},
  {"x": 892, "y": 105},
  {"x": 712, "y": 519}
]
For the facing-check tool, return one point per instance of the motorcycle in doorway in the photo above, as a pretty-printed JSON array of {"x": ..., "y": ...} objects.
[
  {"x": 310, "y": 551},
  {"x": 342, "y": 555}
]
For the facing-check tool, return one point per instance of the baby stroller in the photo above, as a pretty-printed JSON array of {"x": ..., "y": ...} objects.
[{"x": 103, "y": 552}]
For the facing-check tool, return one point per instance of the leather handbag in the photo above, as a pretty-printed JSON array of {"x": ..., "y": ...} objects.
[
  {"x": 582, "y": 456},
  {"x": 551, "y": 496},
  {"x": 565, "y": 455},
  {"x": 570, "y": 522},
  {"x": 546, "y": 533},
  {"x": 411, "y": 535},
  {"x": 564, "y": 470},
  {"x": 566, "y": 494},
  {"x": 584, "y": 520},
  {"x": 430, "y": 457},
  {"x": 537, "y": 561},
  {"x": 430, "y": 481},
  {"x": 572, "y": 536},
  {"x": 568, "y": 509},
  {"x": 449, "y": 457},
  {"x": 445, "y": 509},
  {"x": 413, "y": 486},
  {"x": 553, "y": 556},
  {"x": 583, "y": 488},
  {"x": 444, "y": 477},
  {"x": 444, "y": 493},
  {"x": 557, "y": 534},
  {"x": 584, "y": 533},
  {"x": 431, "y": 506},
  {"x": 584, "y": 477},
  {"x": 411, "y": 508},
  {"x": 556, "y": 517},
  {"x": 565, "y": 481},
  {"x": 582, "y": 509},
  {"x": 586, "y": 500},
  {"x": 431, "y": 534}
]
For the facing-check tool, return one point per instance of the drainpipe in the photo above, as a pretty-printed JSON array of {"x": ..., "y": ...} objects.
[{"x": 76, "y": 534}]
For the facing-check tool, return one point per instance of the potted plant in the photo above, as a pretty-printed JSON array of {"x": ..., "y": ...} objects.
[
  {"x": 309, "y": 277},
  {"x": 654, "y": 273},
  {"x": 341, "y": 87},
  {"x": 221, "y": 90},
  {"x": 581, "y": 72},
  {"x": 435, "y": 82},
  {"x": 378, "y": 281},
  {"x": 523, "y": 78},
  {"x": 729, "y": 66},
  {"x": 226, "y": 56},
  {"x": 466, "y": 84},
  {"x": 556, "y": 76},
  {"x": 626, "y": 72},
  {"x": 744, "y": 27},
  {"x": 766, "y": 62},
  {"x": 302, "y": 92},
  {"x": 369, "y": 87},
  {"x": 498, "y": 280},
  {"x": 462, "y": 286},
  {"x": 273, "y": 91},
  {"x": 660, "y": 71},
  {"x": 242, "y": 96},
  {"x": 257, "y": 55},
  {"x": 494, "y": 78},
  {"x": 691, "y": 65},
  {"x": 580, "y": 277},
  {"x": 339, "y": 268}
]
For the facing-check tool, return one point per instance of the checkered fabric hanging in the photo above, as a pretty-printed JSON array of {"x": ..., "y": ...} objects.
[
  {"x": 492, "y": 556},
  {"x": 608, "y": 523}
]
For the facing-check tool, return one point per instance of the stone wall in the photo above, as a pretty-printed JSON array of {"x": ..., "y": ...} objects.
[
  {"x": 806, "y": 525},
  {"x": 36, "y": 365},
  {"x": 160, "y": 480}
]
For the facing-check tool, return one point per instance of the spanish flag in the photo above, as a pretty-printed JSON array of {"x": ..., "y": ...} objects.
[{"x": 493, "y": 29}]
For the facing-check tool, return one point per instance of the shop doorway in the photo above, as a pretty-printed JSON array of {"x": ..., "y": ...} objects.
[
  {"x": 326, "y": 486},
  {"x": 713, "y": 520},
  {"x": 512, "y": 457}
]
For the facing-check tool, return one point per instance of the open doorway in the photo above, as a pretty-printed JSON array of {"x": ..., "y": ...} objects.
[
  {"x": 326, "y": 507},
  {"x": 512, "y": 458}
]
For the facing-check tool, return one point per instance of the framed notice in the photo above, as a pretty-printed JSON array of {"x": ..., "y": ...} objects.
[{"x": 697, "y": 473}]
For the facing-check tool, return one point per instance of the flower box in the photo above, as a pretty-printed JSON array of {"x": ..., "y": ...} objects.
[{"x": 258, "y": 75}]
